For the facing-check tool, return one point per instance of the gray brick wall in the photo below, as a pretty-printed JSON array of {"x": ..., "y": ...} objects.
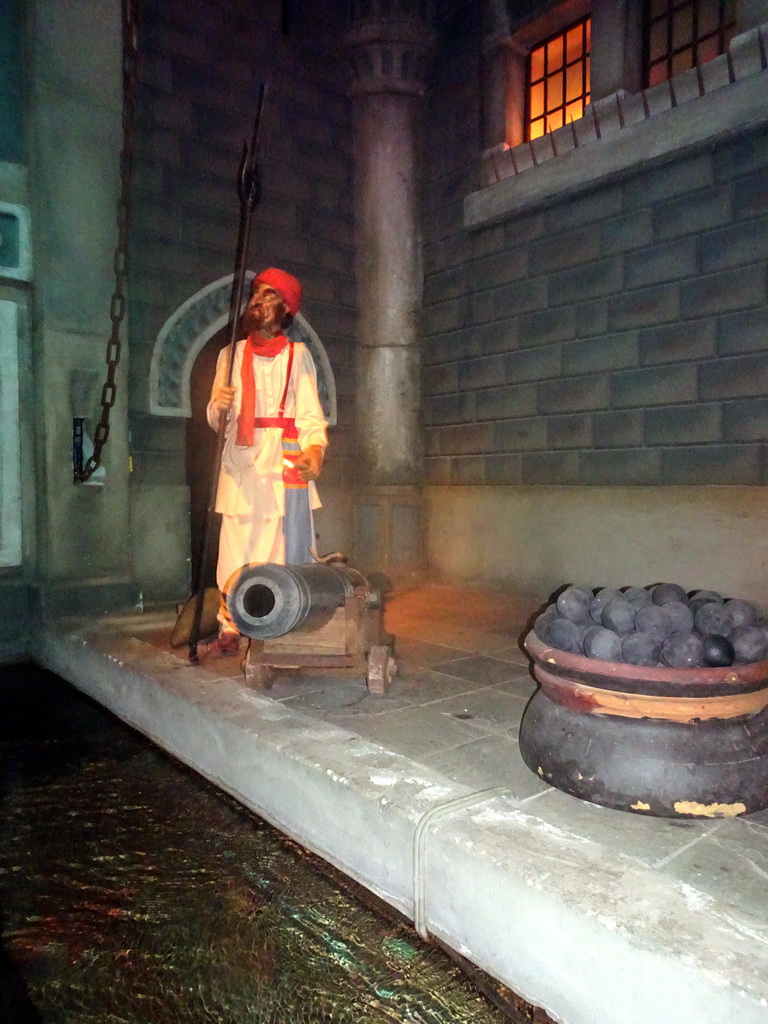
[
  {"x": 634, "y": 319},
  {"x": 196, "y": 103}
]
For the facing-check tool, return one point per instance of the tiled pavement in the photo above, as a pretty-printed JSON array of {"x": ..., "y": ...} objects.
[{"x": 456, "y": 704}]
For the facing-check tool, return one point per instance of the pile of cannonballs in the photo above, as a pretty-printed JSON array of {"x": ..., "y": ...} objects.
[{"x": 660, "y": 625}]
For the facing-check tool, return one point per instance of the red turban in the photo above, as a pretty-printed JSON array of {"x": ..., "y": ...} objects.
[{"x": 282, "y": 282}]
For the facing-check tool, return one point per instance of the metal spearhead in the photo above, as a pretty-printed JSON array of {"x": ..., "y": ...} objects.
[{"x": 249, "y": 178}]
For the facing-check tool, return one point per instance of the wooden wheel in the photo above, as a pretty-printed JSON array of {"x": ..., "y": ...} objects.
[
  {"x": 257, "y": 676},
  {"x": 382, "y": 668}
]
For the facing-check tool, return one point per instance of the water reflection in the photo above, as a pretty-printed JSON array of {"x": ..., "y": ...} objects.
[{"x": 135, "y": 893}]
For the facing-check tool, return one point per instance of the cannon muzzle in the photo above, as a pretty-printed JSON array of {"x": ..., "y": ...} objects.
[{"x": 268, "y": 600}]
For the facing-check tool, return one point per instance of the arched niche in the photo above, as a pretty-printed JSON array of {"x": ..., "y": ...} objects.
[{"x": 186, "y": 331}]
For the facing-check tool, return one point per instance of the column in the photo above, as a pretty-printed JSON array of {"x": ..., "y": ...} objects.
[
  {"x": 75, "y": 106},
  {"x": 389, "y": 46}
]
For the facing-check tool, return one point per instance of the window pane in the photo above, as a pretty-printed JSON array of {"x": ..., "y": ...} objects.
[
  {"x": 658, "y": 73},
  {"x": 555, "y": 91},
  {"x": 537, "y": 64},
  {"x": 574, "y": 44},
  {"x": 554, "y": 54},
  {"x": 658, "y": 40},
  {"x": 707, "y": 50},
  {"x": 574, "y": 111},
  {"x": 658, "y": 7},
  {"x": 573, "y": 85},
  {"x": 537, "y": 101},
  {"x": 709, "y": 17},
  {"x": 536, "y": 129},
  {"x": 682, "y": 62},
  {"x": 682, "y": 28}
]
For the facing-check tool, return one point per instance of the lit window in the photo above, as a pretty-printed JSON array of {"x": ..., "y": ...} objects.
[
  {"x": 558, "y": 79},
  {"x": 682, "y": 33}
]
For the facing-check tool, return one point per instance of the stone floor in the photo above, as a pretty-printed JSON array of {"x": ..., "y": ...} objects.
[{"x": 633, "y": 920}]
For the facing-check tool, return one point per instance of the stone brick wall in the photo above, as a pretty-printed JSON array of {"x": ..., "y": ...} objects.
[
  {"x": 199, "y": 71},
  {"x": 619, "y": 338}
]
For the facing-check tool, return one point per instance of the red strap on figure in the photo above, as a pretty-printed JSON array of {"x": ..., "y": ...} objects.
[
  {"x": 287, "y": 424},
  {"x": 281, "y": 410}
]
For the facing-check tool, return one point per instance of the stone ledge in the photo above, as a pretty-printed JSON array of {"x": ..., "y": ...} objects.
[
  {"x": 625, "y": 134},
  {"x": 545, "y": 911}
]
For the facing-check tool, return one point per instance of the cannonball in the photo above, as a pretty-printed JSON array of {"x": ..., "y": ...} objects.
[
  {"x": 695, "y": 603},
  {"x": 652, "y": 620},
  {"x": 682, "y": 650},
  {"x": 641, "y": 649},
  {"x": 744, "y": 612},
  {"x": 637, "y": 596},
  {"x": 600, "y": 600},
  {"x": 680, "y": 616},
  {"x": 549, "y": 613},
  {"x": 619, "y": 615},
  {"x": 717, "y": 651},
  {"x": 713, "y": 618},
  {"x": 669, "y": 592},
  {"x": 585, "y": 631},
  {"x": 564, "y": 634},
  {"x": 602, "y": 644},
  {"x": 749, "y": 644},
  {"x": 574, "y": 603},
  {"x": 706, "y": 596}
]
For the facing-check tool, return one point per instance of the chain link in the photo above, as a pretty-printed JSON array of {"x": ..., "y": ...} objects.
[{"x": 118, "y": 304}]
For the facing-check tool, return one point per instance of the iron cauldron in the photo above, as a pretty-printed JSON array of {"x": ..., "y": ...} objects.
[{"x": 673, "y": 743}]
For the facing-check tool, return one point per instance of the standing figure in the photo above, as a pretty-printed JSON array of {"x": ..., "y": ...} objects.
[{"x": 275, "y": 440}]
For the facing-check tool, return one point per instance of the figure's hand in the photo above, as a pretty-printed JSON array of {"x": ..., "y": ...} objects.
[
  {"x": 223, "y": 397},
  {"x": 310, "y": 462}
]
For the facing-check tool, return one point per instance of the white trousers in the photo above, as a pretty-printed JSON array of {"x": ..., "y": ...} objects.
[{"x": 242, "y": 540}]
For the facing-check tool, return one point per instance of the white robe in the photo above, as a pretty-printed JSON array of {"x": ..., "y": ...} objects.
[{"x": 250, "y": 493}]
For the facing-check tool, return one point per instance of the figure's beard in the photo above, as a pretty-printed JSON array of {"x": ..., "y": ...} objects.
[
  {"x": 254, "y": 322},
  {"x": 251, "y": 322}
]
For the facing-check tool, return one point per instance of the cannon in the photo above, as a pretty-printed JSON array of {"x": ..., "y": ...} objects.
[{"x": 318, "y": 615}]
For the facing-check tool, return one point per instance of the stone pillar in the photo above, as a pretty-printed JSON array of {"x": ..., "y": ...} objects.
[
  {"x": 617, "y": 35},
  {"x": 388, "y": 45},
  {"x": 83, "y": 560},
  {"x": 502, "y": 87}
]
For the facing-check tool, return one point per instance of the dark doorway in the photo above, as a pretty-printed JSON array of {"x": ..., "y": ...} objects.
[{"x": 201, "y": 453}]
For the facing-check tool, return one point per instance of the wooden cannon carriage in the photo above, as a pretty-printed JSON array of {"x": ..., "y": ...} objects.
[{"x": 322, "y": 615}]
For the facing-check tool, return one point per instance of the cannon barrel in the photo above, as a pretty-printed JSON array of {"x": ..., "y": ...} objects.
[{"x": 268, "y": 600}]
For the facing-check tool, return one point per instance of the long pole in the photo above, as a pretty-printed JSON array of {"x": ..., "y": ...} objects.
[{"x": 249, "y": 193}]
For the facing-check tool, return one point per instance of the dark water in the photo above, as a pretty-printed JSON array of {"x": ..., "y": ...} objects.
[{"x": 132, "y": 892}]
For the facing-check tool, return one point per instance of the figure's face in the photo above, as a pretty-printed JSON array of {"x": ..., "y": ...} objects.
[{"x": 265, "y": 311}]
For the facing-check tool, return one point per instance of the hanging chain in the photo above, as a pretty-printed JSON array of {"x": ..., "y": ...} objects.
[{"x": 118, "y": 304}]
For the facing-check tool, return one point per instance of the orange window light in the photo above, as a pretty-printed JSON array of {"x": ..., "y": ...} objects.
[{"x": 558, "y": 80}]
